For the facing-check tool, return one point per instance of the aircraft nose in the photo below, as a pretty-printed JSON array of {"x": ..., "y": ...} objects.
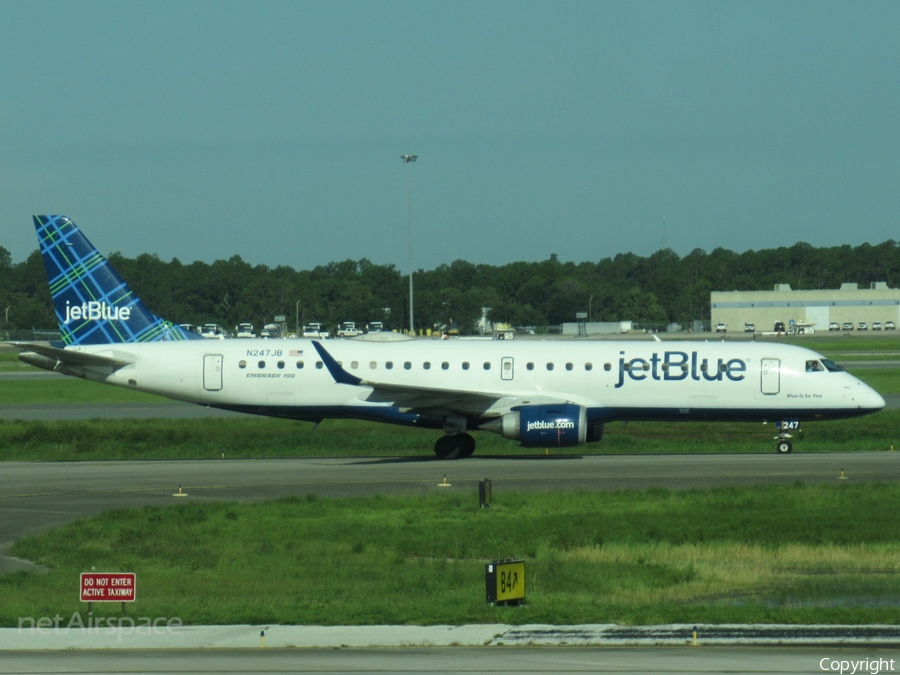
[{"x": 876, "y": 400}]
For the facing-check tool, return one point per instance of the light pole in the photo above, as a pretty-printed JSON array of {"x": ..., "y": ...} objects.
[
  {"x": 409, "y": 159},
  {"x": 297, "y": 308}
]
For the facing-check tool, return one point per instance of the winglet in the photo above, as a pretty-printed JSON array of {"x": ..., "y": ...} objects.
[{"x": 340, "y": 375}]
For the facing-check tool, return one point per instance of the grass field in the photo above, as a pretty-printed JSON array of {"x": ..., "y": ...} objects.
[{"x": 772, "y": 554}]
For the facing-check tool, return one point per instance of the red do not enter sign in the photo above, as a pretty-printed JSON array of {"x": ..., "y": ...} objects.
[{"x": 108, "y": 587}]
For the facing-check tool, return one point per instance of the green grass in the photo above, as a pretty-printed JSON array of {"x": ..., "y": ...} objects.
[
  {"x": 252, "y": 437},
  {"x": 770, "y": 554},
  {"x": 69, "y": 390},
  {"x": 842, "y": 344}
]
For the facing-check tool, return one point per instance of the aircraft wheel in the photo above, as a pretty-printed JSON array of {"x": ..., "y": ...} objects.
[
  {"x": 446, "y": 447},
  {"x": 468, "y": 445},
  {"x": 783, "y": 447},
  {"x": 454, "y": 446}
]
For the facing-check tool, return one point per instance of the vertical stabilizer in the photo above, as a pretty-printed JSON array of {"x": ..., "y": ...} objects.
[{"x": 93, "y": 305}]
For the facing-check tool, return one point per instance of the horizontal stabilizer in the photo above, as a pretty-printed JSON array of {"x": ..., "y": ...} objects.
[{"x": 75, "y": 358}]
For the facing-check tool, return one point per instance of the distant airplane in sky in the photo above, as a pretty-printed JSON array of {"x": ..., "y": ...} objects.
[{"x": 555, "y": 393}]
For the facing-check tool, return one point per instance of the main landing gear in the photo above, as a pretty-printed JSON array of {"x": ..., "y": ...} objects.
[{"x": 454, "y": 446}]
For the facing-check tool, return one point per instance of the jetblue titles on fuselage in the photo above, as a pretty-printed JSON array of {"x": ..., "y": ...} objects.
[{"x": 676, "y": 365}]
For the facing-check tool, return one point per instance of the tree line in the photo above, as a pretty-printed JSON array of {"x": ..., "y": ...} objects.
[{"x": 653, "y": 291}]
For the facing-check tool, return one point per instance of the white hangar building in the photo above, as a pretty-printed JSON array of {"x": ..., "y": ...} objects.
[{"x": 820, "y": 308}]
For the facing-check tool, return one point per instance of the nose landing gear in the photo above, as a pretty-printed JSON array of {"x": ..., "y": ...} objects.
[{"x": 783, "y": 446}]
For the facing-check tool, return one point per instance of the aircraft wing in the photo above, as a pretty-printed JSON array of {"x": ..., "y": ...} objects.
[
  {"x": 424, "y": 398},
  {"x": 31, "y": 352}
]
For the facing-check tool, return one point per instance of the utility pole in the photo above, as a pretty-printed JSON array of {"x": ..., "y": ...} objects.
[{"x": 409, "y": 159}]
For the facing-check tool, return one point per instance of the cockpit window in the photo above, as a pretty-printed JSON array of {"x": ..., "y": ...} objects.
[
  {"x": 832, "y": 366},
  {"x": 814, "y": 366}
]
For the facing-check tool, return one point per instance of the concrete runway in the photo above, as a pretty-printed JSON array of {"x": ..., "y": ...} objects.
[{"x": 458, "y": 660}]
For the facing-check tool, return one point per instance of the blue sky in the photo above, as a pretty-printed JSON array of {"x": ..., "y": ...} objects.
[{"x": 274, "y": 130}]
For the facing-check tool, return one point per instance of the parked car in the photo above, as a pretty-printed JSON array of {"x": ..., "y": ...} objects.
[
  {"x": 749, "y": 328},
  {"x": 834, "y": 325},
  {"x": 890, "y": 326},
  {"x": 348, "y": 329},
  {"x": 721, "y": 328},
  {"x": 876, "y": 325},
  {"x": 862, "y": 325},
  {"x": 846, "y": 326}
]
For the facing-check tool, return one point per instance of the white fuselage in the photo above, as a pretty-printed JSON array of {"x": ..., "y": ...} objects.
[{"x": 613, "y": 380}]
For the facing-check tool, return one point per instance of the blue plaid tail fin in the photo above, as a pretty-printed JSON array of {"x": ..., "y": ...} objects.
[{"x": 93, "y": 305}]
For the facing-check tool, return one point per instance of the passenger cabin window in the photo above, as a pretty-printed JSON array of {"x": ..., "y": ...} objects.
[
  {"x": 407, "y": 365},
  {"x": 569, "y": 366},
  {"x": 445, "y": 365},
  {"x": 487, "y": 365},
  {"x": 549, "y": 366},
  {"x": 529, "y": 366},
  {"x": 242, "y": 364},
  {"x": 607, "y": 367},
  {"x": 427, "y": 365},
  {"x": 389, "y": 364},
  {"x": 588, "y": 366},
  {"x": 319, "y": 365},
  {"x": 354, "y": 364},
  {"x": 465, "y": 365},
  {"x": 373, "y": 365},
  {"x": 262, "y": 364},
  {"x": 299, "y": 365},
  {"x": 281, "y": 365}
]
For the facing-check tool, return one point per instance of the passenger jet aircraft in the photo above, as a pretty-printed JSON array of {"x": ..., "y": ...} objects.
[{"x": 540, "y": 393}]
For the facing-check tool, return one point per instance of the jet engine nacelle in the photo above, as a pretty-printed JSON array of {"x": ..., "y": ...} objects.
[{"x": 543, "y": 426}]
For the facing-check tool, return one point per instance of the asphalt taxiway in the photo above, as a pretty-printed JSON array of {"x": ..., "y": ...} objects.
[{"x": 36, "y": 496}]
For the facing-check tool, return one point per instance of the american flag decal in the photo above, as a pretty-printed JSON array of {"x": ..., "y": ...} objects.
[{"x": 295, "y": 352}]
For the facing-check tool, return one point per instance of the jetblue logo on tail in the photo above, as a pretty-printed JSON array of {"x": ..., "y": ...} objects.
[
  {"x": 93, "y": 303},
  {"x": 95, "y": 311}
]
